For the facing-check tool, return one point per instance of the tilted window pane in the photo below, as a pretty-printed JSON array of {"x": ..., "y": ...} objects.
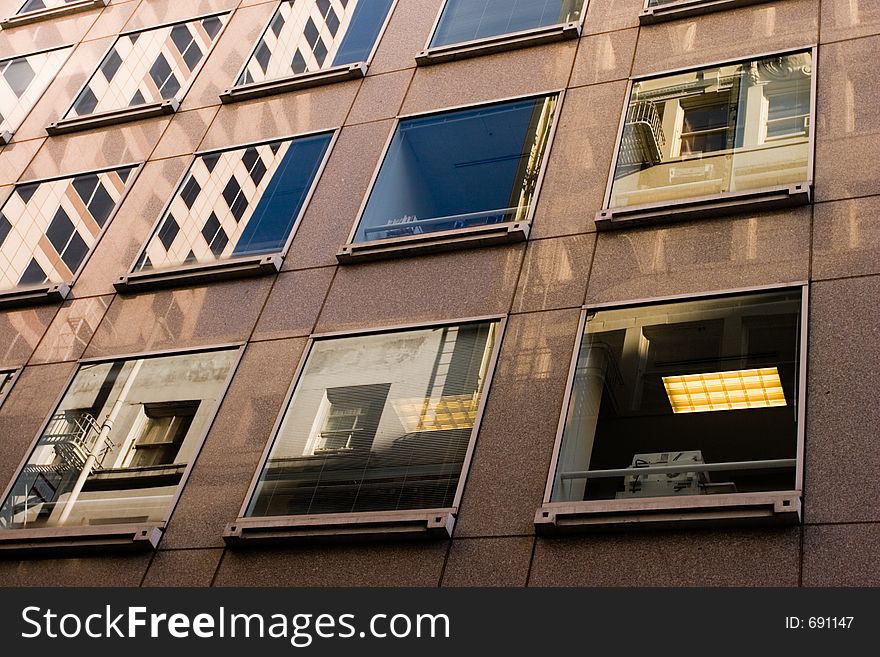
[
  {"x": 460, "y": 169},
  {"x": 100, "y": 460},
  {"x": 685, "y": 398},
  {"x": 468, "y": 20},
  {"x": 148, "y": 66},
  {"x": 22, "y": 81},
  {"x": 311, "y": 35},
  {"x": 725, "y": 129},
  {"x": 48, "y": 228},
  {"x": 236, "y": 203},
  {"x": 378, "y": 423}
]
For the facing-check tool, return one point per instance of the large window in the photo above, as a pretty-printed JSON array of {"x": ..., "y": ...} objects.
[
  {"x": 116, "y": 448},
  {"x": 378, "y": 423},
  {"x": 148, "y": 66},
  {"x": 723, "y": 130},
  {"x": 470, "y": 20},
  {"x": 307, "y": 36},
  {"x": 22, "y": 82},
  {"x": 47, "y": 228},
  {"x": 460, "y": 170},
  {"x": 685, "y": 400},
  {"x": 236, "y": 203}
]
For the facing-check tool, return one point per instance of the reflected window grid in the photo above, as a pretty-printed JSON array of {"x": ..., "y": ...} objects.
[
  {"x": 148, "y": 66},
  {"x": 23, "y": 81},
  {"x": 115, "y": 450},
  {"x": 37, "y": 5},
  {"x": 732, "y": 128},
  {"x": 305, "y": 36},
  {"x": 48, "y": 228},
  {"x": 236, "y": 203},
  {"x": 378, "y": 423}
]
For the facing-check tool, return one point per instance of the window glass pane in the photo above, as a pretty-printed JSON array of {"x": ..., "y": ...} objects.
[
  {"x": 236, "y": 203},
  {"x": 116, "y": 448},
  {"x": 22, "y": 81},
  {"x": 148, "y": 66},
  {"x": 459, "y": 169},
  {"x": 36, "y": 5},
  {"x": 305, "y": 36},
  {"x": 47, "y": 228},
  {"x": 725, "y": 129},
  {"x": 467, "y": 20},
  {"x": 378, "y": 423},
  {"x": 708, "y": 385}
]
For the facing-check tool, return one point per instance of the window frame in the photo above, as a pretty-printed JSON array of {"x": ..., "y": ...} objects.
[
  {"x": 47, "y": 293},
  {"x": 499, "y": 43},
  {"x": 7, "y": 135},
  {"x": 771, "y": 507},
  {"x": 124, "y": 537},
  {"x": 37, "y": 15},
  {"x": 233, "y": 268},
  {"x": 13, "y": 374},
  {"x": 460, "y": 238},
  {"x": 728, "y": 203},
  {"x": 297, "y": 81},
  {"x": 65, "y": 125},
  {"x": 688, "y": 8},
  {"x": 360, "y": 525}
]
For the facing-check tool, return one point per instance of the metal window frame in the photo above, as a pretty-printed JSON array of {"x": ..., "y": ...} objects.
[
  {"x": 231, "y": 268},
  {"x": 13, "y": 374},
  {"x": 297, "y": 81},
  {"x": 688, "y": 8},
  {"x": 136, "y": 536},
  {"x": 6, "y": 135},
  {"x": 67, "y": 124},
  {"x": 499, "y": 42},
  {"x": 449, "y": 240},
  {"x": 46, "y": 293},
  {"x": 407, "y": 523},
  {"x": 770, "y": 507},
  {"x": 722, "y": 204},
  {"x": 37, "y": 15}
]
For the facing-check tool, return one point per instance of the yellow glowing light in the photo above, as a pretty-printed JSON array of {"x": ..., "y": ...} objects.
[
  {"x": 725, "y": 391},
  {"x": 437, "y": 413}
]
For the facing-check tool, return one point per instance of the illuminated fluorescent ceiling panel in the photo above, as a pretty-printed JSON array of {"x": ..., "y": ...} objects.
[{"x": 725, "y": 391}]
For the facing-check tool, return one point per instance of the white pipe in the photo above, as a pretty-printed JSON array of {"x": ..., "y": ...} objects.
[{"x": 100, "y": 442}]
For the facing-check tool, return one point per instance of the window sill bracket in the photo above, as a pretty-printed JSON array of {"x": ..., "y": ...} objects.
[
  {"x": 34, "y": 296},
  {"x": 49, "y": 13},
  {"x": 294, "y": 83},
  {"x": 87, "y": 539},
  {"x": 114, "y": 117},
  {"x": 196, "y": 274},
  {"x": 689, "y": 8}
]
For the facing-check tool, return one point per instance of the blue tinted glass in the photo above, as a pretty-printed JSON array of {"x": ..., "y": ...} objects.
[
  {"x": 466, "y": 20},
  {"x": 273, "y": 219},
  {"x": 459, "y": 169},
  {"x": 359, "y": 39}
]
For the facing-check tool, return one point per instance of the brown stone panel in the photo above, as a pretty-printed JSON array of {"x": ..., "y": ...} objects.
[
  {"x": 177, "y": 568},
  {"x": 846, "y": 238},
  {"x": 842, "y": 555},
  {"x": 554, "y": 274},
  {"x": 489, "y": 562},
  {"x": 604, "y": 58},
  {"x": 21, "y": 331},
  {"x": 99, "y": 570}
]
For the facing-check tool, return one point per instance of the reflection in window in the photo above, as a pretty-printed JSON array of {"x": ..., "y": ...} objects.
[
  {"x": 47, "y": 228},
  {"x": 306, "y": 36},
  {"x": 236, "y": 203},
  {"x": 378, "y": 423},
  {"x": 684, "y": 398},
  {"x": 460, "y": 169},
  {"x": 468, "y": 20},
  {"x": 22, "y": 81},
  {"x": 732, "y": 128},
  {"x": 115, "y": 450},
  {"x": 148, "y": 66}
]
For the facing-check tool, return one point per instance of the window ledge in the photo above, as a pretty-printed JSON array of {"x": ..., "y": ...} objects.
[
  {"x": 688, "y": 8},
  {"x": 449, "y": 240},
  {"x": 737, "y": 508},
  {"x": 294, "y": 82},
  {"x": 204, "y": 273},
  {"x": 502, "y": 43},
  {"x": 49, "y": 13},
  {"x": 420, "y": 523},
  {"x": 706, "y": 206},
  {"x": 34, "y": 296},
  {"x": 113, "y": 117},
  {"x": 66, "y": 540},
  {"x": 5, "y": 137}
]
